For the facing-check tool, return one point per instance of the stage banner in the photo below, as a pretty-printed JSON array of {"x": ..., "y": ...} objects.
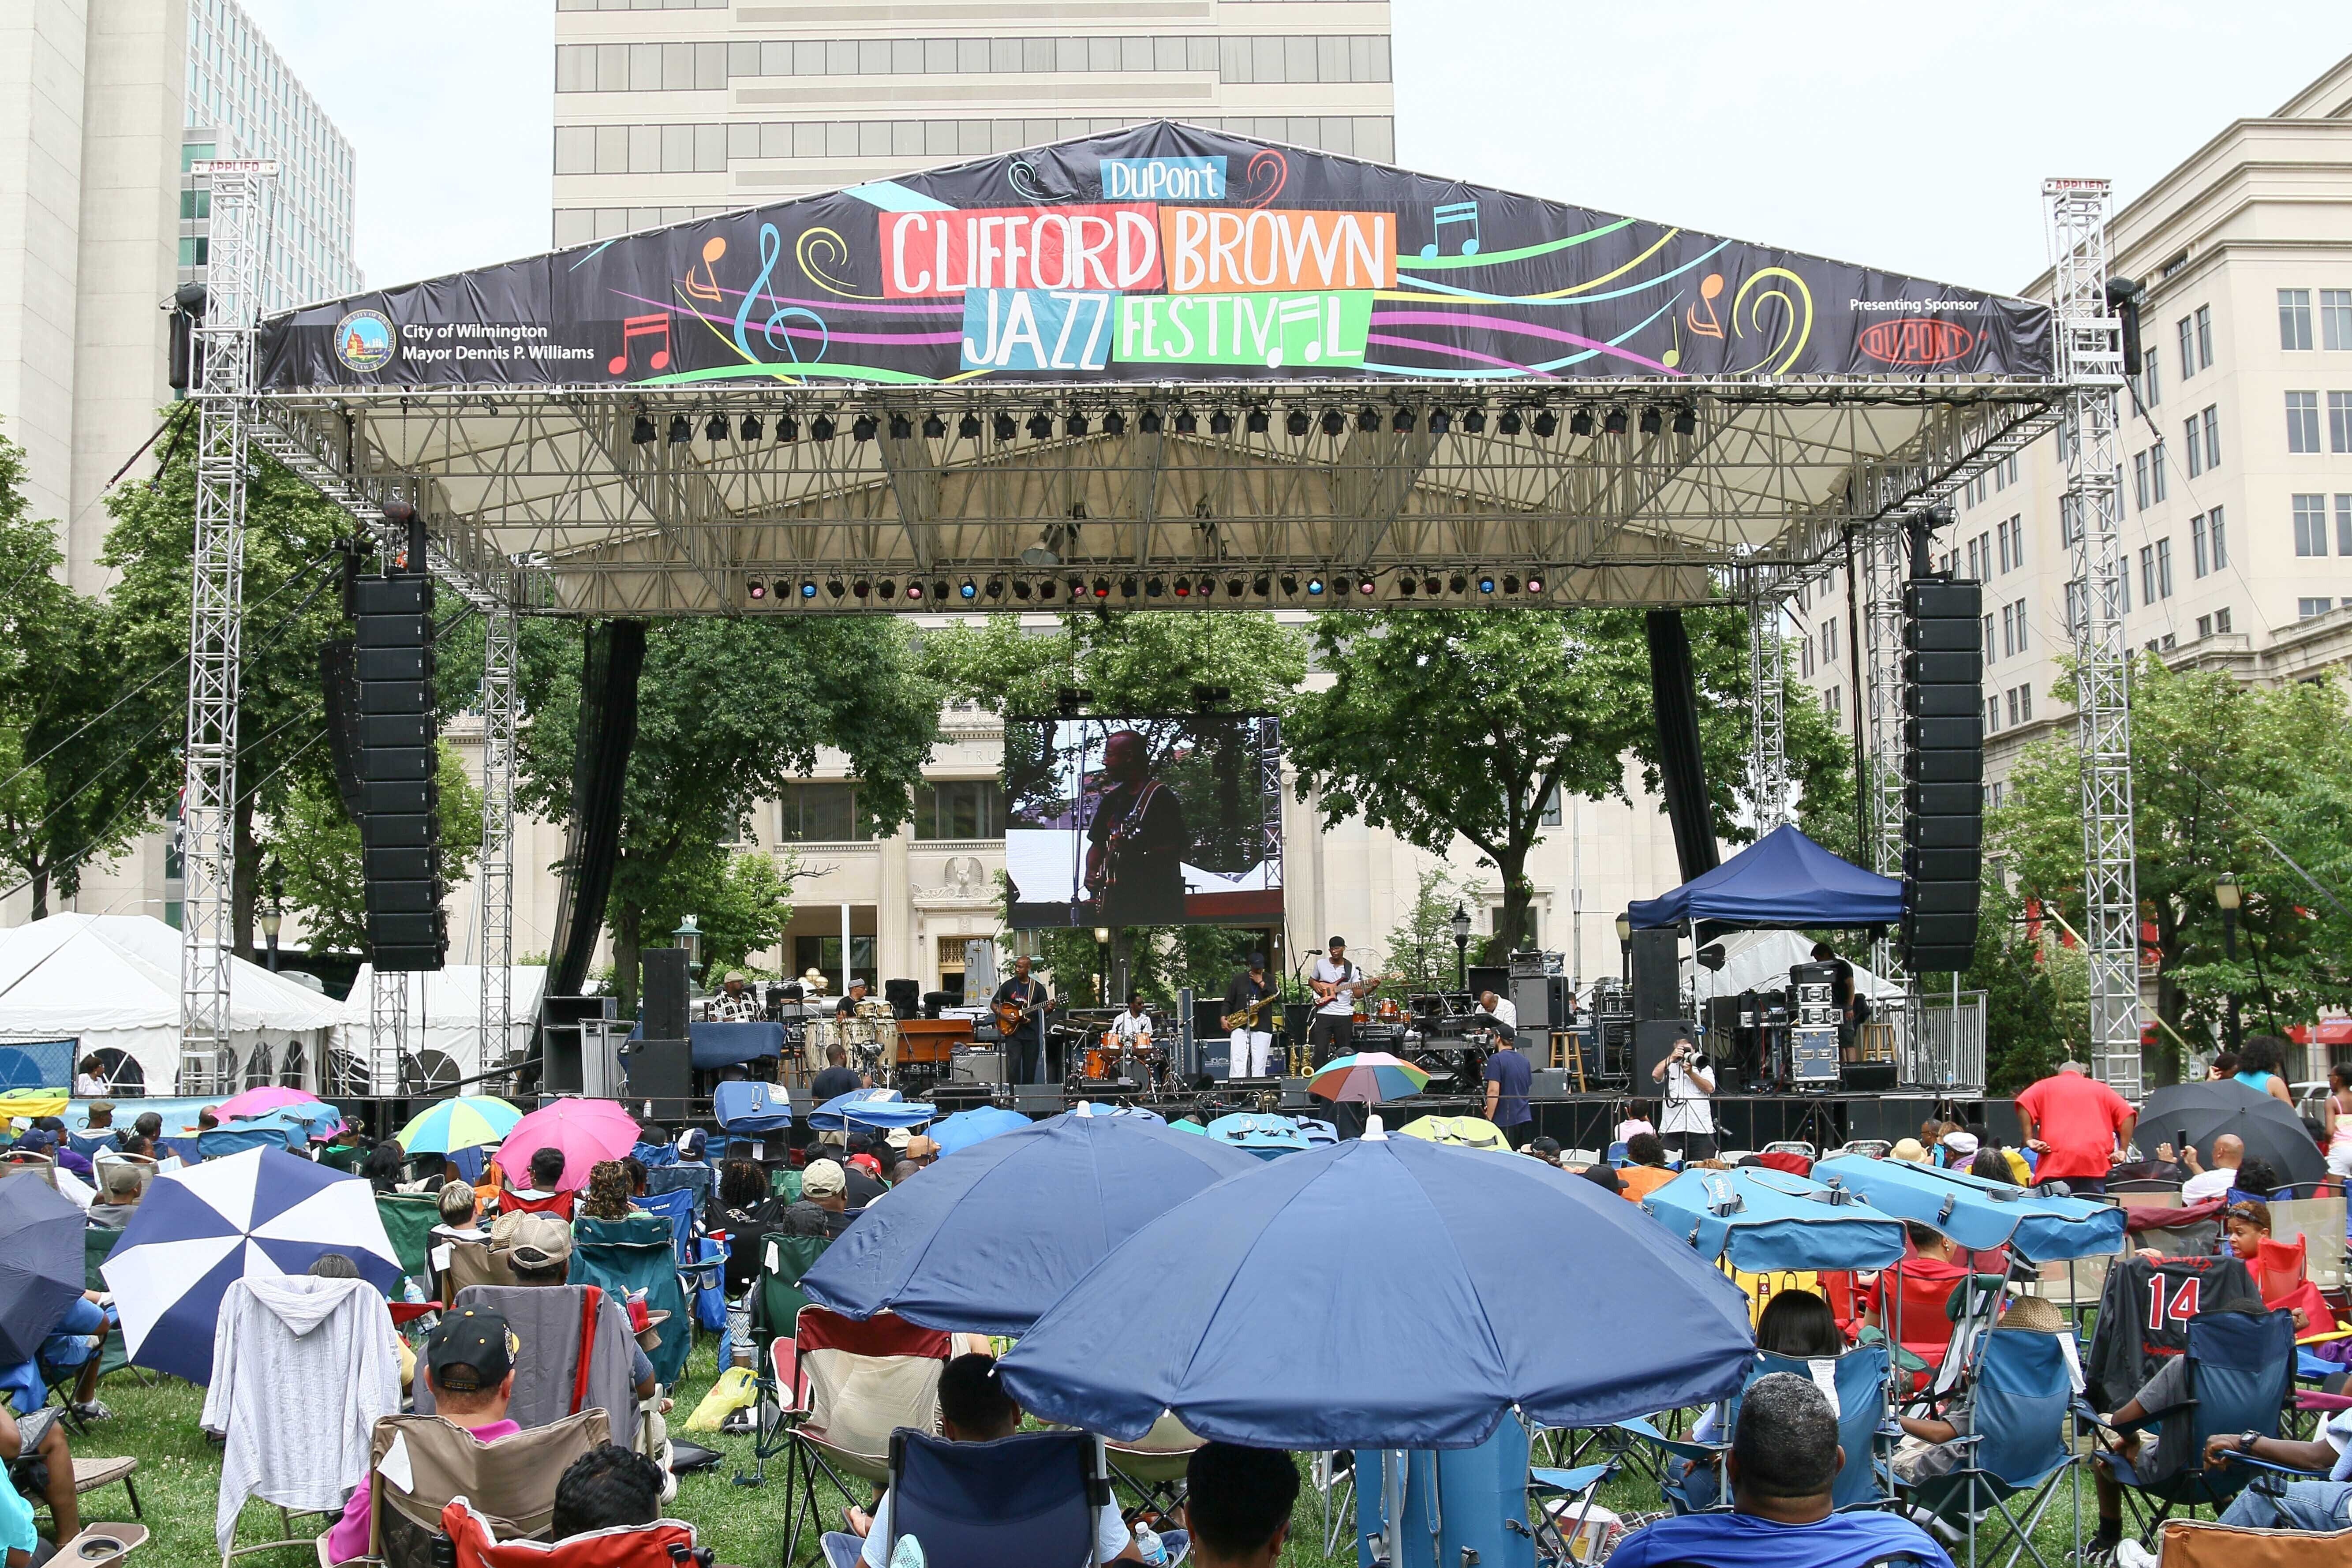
[
  {"x": 1143, "y": 821},
  {"x": 1126, "y": 256}
]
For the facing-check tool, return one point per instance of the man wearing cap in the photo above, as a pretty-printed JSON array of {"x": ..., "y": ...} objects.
[
  {"x": 469, "y": 1357},
  {"x": 1249, "y": 999},
  {"x": 735, "y": 1003},
  {"x": 822, "y": 1206},
  {"x": 120, "y": 1189},
  {"x": 847, "y": 1006},
  {"x": 1333, "y": 1033},
  {"x": 538, "y": 1252}
]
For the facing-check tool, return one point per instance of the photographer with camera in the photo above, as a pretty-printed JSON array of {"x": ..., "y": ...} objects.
[{"x": 1687, "y": 1125}]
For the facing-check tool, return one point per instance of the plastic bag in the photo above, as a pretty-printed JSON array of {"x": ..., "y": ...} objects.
[{"x": 735, "y": 1390}]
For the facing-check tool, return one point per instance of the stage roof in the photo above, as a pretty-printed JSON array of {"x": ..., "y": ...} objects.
[{"x": 1157, "y": 351}]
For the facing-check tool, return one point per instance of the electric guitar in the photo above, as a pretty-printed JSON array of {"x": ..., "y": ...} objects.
[
  {"x": 1244, "y": 1016},
  {"x": 1102, "y": 858},
  {"x": 1012, "y": 1016},
  {"x": 1327, "y": 991}
]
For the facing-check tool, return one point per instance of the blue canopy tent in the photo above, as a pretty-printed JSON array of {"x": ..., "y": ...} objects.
[
  {"x": 1981, "y": 1214},
  {"x": 1763, "y": 1220},
  {"x": 1782, "y": 882},
  {"x": 871, "y": 1108}
]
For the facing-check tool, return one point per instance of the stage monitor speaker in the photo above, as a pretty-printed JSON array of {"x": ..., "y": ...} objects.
[
  {"x": 665, "y": 990},
  {"x": 1531, "y": 996},
  {"x": 905, "y": 996},
  {"x": 1657, "y": 973},
  {"x": 660, "y": 1068},
  {"x": 1654, "y": 1042},
  {"x": 559, "y": 1067},
  {"x": 1873, "y": 1076},
  {"x": 969, "y": 1063}
]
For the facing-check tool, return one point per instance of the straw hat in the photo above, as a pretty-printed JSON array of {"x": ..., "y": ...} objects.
[
  {"x": 1909, "y": 1149},
  {"x": 2033, "y": 1315}
]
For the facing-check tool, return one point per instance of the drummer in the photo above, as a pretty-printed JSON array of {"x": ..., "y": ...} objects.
[
  {"x": 847, "y": 1006},
  {"x": 1132, "y": 1029}
]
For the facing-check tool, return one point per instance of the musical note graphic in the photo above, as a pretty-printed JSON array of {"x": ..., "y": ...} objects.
[
  {"x": 1673, "y": 356},
  {"x": 774, "y": 330},
  {"x": 1708, "y": 288},
  {"x": 712, "y": 249},
  {"x": 1464, "y": 214},
  {"x": 1269, "y": 170},
  {"x": 655, "y": 325},
  {"x": 1308, "y": 310}
]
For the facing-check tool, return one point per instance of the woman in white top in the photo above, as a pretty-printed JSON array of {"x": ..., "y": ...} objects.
[{"x": 89, "y": 1083}]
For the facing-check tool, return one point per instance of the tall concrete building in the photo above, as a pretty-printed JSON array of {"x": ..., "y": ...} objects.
[{"x": 665, "y": 109}]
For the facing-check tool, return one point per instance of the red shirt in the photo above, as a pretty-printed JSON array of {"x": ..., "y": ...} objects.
[{"x": 2078, "y": 1116}]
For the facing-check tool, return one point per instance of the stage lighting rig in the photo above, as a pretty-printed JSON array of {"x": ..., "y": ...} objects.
[
  {"x": 996, "y": 589},
  {"x": 1075, "y": 425},
  {"x": 1334, "y": 422},
  {"x": 1368, "y": 419},
  {"x": 1102, "y": 588},
  {"x": 833, "y": 586},
  {"x": 714, "y": 429},
  {"x": 1685, "y": 420},
  {"x": 862, "y": 428},
  {"x": 808, "y": 588},
  {"x": 1148, "y": 422},
  {"x": 1545, "y": 423},
  {"x": 751, "y": 429},
  {"x": 901, "y": 427},
  {"x": 968, "y": 427},
  {"x": 1432, "y": 586},
  {"x": 1367, "y": 586},
  {"x": 681, "y": 430},
  {"x": 1297, "y": 424},
  {"x": 1511, "y": 582},
  {"x": 756, "y": 589},
  {"x": 1458, "y": 584},
  {"x": 1473, "y": 421},
  {"x": 1154, "y": 587},
  {"x": 1340, "y": 584},
  {"x": 822, "y": 428},
  {"x": 788, "y": 429},
  {"x": 1402, "y": 421},
  {"x": 1129, "y": 586},
  {"x": 1508, "y": 424},
  {"x": 1047, "y": 588},
  {"x": 940, "y": 589},
  {"x": 1041, "y": 425},
  {"x": 1220, "y": 422},
  {"x": 1261, "y": 585},
  {"x": 1115, "y": 422},
  {"x": 1255, "y": 421},
  {"x": 1020, "y": 589},
  {"x": 1186, "y": 423},
  {"x": 1440, "y": 422},
  {"x": 1613, "y": 422},
  {"x": 1581, "y": 422},
  {"x": 1005, "y": 428},
  {"x": 969, "y": 590},
  {"x": 1314, "y": 586},
  {"x": 1289, "y": 584},
  {"x": 1535, "y": 583},
  {"x": 934, "y": 427},
  {"x": 861, "y": 589},
  {"x": 1405, "y": 586},
  {"x": 1234, "y": 588},
  {"x": 641, "y": 432},
  {"x": 1652, "y": 421},
  {"x": 914, "y": 591},
  {"x": 1485, "y": 582}
]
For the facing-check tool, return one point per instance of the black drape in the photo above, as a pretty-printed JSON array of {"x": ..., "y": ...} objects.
[
  {"x": 1674, "y": 691},
  {"x": 614, "y": 654}
]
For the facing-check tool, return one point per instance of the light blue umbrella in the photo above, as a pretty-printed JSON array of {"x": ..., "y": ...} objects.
[
  {"x": 1980, "y": 1215},
  {"x": 1763, "y": 1219},
  {"x": 1265, "y": 1136},
  {"x": 979, "y": 1124},
  {"x": 871, "y": 1108}
]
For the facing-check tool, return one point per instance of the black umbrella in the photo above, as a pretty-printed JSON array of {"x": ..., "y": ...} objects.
[
  {"x": 2269, "y": 1127},
  {"x": 40, "y": 1263}
]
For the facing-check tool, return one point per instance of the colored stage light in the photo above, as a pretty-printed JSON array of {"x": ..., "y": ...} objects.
[
  {"x": 1535, "y": 583},
  {"x": 787, "y": 428},
  {"x": 1040, "y": 426},
  {"x": 751, "y": 428},
  {"x": 914, "y": 593},
  {"x": 862, "y": 428},
  {"x": 1313, "y": 587},
  {"x": 1115, "y": 422},
  {"x": 833, "y": 586},
  {"x": 1220, "y": 422},
  {"x": 1102, "y": 588},
  {"x": 1367, "y": 586},
  {"x": 715, "y": 428},
  {"x": 1685, "y": 420},
  {"x": 642, "y": 432},
  {"x": 1485, "y": 582},
  {"x": 1154, "y": 587},
  {"x": 822, "y": 428},
  {"x": 1256, "y": 422},
  {"x": 1075, "y": 425},
  {"x": 808, "y": 588},
  {"x": 1509, "y": 423},
  {"x": 901, "y": 427},
  {"x": 1401, "y": 422},
  {"x": 1651, "y": 422},
  {"x": 934, "y": 427},
  {"x": 681, "y": 430},
  {"x": 1367, "y": 418},
  {"x": 1005, "y": 428},
  {"x": 968, "y": 427},
  {"x": 756, "y": 589},
  {"x": 1297, "y": 423},
  {"x": 1613, "y": 422},
  {"x": 1473, "y": 421},
  {"x": 1440, "y": 422},
  {"x": 1184, "y": 587},
  {"x": 968, "y": 589},
  {"x": 1334, "y": 422},
  {"x": 1150, "y": 422}
]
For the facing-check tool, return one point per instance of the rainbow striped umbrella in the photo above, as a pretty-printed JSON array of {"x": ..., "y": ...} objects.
[
  {"x": 1368, "y": 1076},
  {"x": 468, "y": 1121}
]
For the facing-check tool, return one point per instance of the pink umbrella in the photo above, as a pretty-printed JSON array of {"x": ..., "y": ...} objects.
[
  {"x": 268, "y": 1096},
  {"x": 586, "y": 1130}
]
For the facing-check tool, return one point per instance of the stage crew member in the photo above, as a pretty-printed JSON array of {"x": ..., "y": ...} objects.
[
  {"x": 1338, "y": 982},
  {"x": 1020, "y": 1006},
  {"x": 1249, "y": 1010},
  {"x": 1137, "y": 841},
  {"x": 1688, "y": 1125}
]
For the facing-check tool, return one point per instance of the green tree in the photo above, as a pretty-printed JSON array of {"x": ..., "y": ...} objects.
[
  {"x": 730, "y": 709},
  {"x": 1422, "y": 945},
  {"x": 744, "y": 909},
  {"x": 2028, "y": 1028},
  {"x": 317, "y": 846}
]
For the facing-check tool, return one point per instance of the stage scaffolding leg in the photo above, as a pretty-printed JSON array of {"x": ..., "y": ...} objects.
[
  {"x": 1768, "y": 731},
  {"x": 208, "y": 801},
  {"x": 2090, "y": 360},
  {"x": 1886, "y": 564},
  {"x": 494, "y": 876},
  {"x": 387, "y": 1034}
]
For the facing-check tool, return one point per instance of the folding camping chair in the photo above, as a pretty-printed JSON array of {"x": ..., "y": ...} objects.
[
  {"x": 2240, "y": 1367},
  {"x": 1025, "y": 1500},
  {"x": 1154, "y": 1465},
  {"x": 439, "y": 1461},
  {"x": 472, "y": 1263},
  {"x": 2016, "y": 1446},
  {"x": 1860, "y": 1379},
  {"x": 665, "y": 1541},
  {"x": 551, "y": 1321},
  {"x": 1333, "y": 1476},
  {"x": 855, "y": 1384},
  {"x": 776, "y": 1302},
  {"x": 637, "y": 1254}
]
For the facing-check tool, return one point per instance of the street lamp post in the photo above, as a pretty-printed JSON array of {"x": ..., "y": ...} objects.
[
  {"x": 2226, "y": 894},
  {"x": 1461, "y": 923},
  {"x": 689, "y": 937},
  {"x": 1626, "y": 949},
  {"x": 274, "y": 917},
  {"x": 1102, "y": 965}
]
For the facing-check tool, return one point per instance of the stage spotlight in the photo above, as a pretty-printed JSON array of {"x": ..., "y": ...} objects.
[
  {"x": 861, "y": 589},
  {"x": 996, "y": 589},
  {"x": 1613, "y": 422},
  {"x": 833, "y": 586},
  {"x": 1431, "y": 585},
  {"x": 940, "y": 589},
  {"x": 1334, "y": 422},
  {"x": 751, "y": 429},
  {"x": 969, "y": 590},
  {"x": 1685, "y": 420},
  {"x": 1403, "y": 421},
  {"x": 715, "y": 428},
  {"x": 934, "y": 427},
  {"x": 914, "y": 592},
  {"x": 1511, "y": 582},
  {"x": 1148, "y": 422},
  {"x": 901, "y": 427},
  {"x": 1289, "y": 583},
  {"x": 1485, "y": 582},
  {"x": 1458, "y": 584},
  {"x": 1256, "y": 422},
  {"x": 1440, "y": 422},
  {"x": 1581, "y": 422},
  {"x": 1220, "y": 422},
  {"x": 1129, "y": 586},
  {"x": 1020, "y": 589},
  {"x": 1075, "y": 425},
  {"x": 641, "y": 432},
  {"x": 1040, "y": 426},
  {"x": 1473, "y": 421},
  {"x": 1261, "y": 585},
  {"x": 1186, "y": 423},
  {"x": 808, "y": 587},
  {"x": 1234, "y": 588},
  {"x": 968, "y": 427},
  {"x": 1313, "y": 587},
  {"x": 1297, "y": 423},
  {"x": 1102, "y": 588},
  {"x": 1048, "y": 588},
  {"x": 1005, "y": 428},
  {"x": 1369, "y": 586},
  {"x": 1509, "y": 423},
  {"x": 1115, "y": 422},
  {"x": 1367, "y": 418},
  {"x": 1535, "y": 583},
  {"x": 1405, "y": 586},
  {"x": 1153, "y": 586},
  {"x": 787, "y": 428},
  {"x": 1184, "y": 587},
  {"x": 1077, "y": 585},
  {"x": 822, "y": 428},
  {"x": 1651, "y": 422},
  {"x": 1340, "y": 586},
  {"x": 862, "y": 428},
  {"x": 681, "y": 430},
  {"x": 756, "y": 589}
]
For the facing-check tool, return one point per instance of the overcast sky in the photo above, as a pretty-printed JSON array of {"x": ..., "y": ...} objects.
[{"x": 1909, "y": 137}]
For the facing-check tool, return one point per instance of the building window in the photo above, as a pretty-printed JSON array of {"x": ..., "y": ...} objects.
[
  {"x": 2197, "y": 566},
  {"x": 2306, "y": 608},
  {"x": 2343, "y": 524},
  {"x": 2155, "y": 473},
  {"x": 1988, "y": 653},
  {"x": 2210, "y": 426},
  {"x": 2007, "y": 632},
  {"x": 2148, "y": 393},
  {"x": 1806, "y": 657},
  {"x": 1992, "y": 713},
  {"x": 960, "y": 808},
  {"x": 823, "y": 954},
  {"x": 2123, "y": 583},
  {"x": 2204, "y": 337},
  {"x": 2303, "y": 422},
  {"x": 2196, "y": 447},
  {"x": 2147, "y": 574},
  {"x": 2295, "y": 318},
  {"x": 2221, "y": 620},
  {"x": 1265, "y": 59},
  {"x": 2339, "y": 421},
  {"x": 2335, "y": 317},
  {"x": 2188, "y": 332},
  {"x": 195, "y": 251},
  {"x": 1829, "y": 642},
  {"x": 822, "y": 814},
  {"x": 2204, "y": 626},
  {"x": 2218, "y": 534},
  {"x": 2310, "y": 525},
  {"x": 2163, "y": 570},
  {"x": 1831, "y": 702}
]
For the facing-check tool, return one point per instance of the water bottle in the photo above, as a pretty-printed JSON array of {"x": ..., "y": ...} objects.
[{"x": 1147, "y": 1542}]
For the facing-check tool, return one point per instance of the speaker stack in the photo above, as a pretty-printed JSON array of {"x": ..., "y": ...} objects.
[
  {"x": 399, "y": 806},
  {"x": 1943, "y": 772}
]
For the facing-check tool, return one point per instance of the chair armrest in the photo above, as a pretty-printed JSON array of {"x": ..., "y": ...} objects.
[
  {"x": 1578, "y": 1480},
  {"x": 1693, "y": 1452},
  {"x": 2271, "y": 1466}
]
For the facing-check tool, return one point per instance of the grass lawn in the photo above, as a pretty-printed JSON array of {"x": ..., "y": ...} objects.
[{"x": 179, "y": 1480}]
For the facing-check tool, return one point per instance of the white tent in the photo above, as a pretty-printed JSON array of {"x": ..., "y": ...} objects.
[
  {"x": 1760, "y": 961},
  {"x": 449, "y": 1003},
  {"x": 113, "y": 983}
]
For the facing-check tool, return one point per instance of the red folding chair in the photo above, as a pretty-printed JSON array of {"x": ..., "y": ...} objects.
[{"x": 660, "y": 1544}]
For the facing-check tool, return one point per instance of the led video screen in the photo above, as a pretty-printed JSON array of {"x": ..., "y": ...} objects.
[{"x": 1142, "y": 821}]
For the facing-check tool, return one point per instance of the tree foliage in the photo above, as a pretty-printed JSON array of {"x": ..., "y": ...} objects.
[{"x": 1421, "y": 946}]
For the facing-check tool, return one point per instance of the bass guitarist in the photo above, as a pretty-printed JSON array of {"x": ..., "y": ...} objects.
[
  {"x": 1020, "y": 1006},
  {"x": 1248, "y": 1013}
]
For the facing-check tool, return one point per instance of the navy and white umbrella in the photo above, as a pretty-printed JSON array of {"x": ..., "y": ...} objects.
[{"x": 256, "y": 1215}]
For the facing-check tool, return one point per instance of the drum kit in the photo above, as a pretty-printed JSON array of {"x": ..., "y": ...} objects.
[
  {"x": 868, "y": 1040},
  {"x": 1111, "y": 1058}
]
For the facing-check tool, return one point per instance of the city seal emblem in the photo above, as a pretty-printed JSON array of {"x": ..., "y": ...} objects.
[{"x": 364, "y": 340}]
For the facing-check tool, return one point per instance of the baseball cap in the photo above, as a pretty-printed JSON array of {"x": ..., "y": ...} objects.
[
  {"x": 540, "y": 1241},
  {"x": 101, "y": 1108},
  {"x": 470, "y": 1349},
  {"x": 868, "y": 1163},
  {"x": 823, "y": 1179},
  {"x": 1337, "y": 941}
]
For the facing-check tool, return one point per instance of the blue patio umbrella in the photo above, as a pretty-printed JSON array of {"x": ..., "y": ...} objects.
[
  {"x": 262, "y": 1213},
  {"x": 40, "y": 1267},
  {"x": 978, "y": 1125},
  {"x": 871, "y": 1108},
  {"x": 1978, "y": 1214},
  {"x": 1544, "y": 1291},
  {"x": 1763, "y": 1219},
  {"x": 1265, "y": 1136},
  {"x": 984, "y": 1242}
]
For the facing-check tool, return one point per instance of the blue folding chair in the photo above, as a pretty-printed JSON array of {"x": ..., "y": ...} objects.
[
  {"x": 2240, "y": 1369},
  {"x": 2016, "y": 1446},
  {"x": 1017, "y": 1502},
  {"x": 1860, "y": 1378}
]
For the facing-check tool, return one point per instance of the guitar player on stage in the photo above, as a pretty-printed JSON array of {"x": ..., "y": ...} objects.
[
  {"x": 1248, "y": 1013},
  {"x": 1137, "y": 841},
  {"x": 1020, "y": 1006},
  {"x": 1336, "y": 983}
]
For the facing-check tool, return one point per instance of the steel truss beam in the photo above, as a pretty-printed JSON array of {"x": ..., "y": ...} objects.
[
  {"x": 1768, "y": 717},
  {"x": 494, "y": 876}
]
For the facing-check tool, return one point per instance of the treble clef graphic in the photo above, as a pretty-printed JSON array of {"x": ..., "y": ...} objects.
[
  {"x": 771, "y": 246},
  {"x": 1023, "y": 177}
]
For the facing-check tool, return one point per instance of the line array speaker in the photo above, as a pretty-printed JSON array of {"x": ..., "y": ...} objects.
[
  {"x": 1943, "y": 771},
  {"x": 389, "y": 676}
]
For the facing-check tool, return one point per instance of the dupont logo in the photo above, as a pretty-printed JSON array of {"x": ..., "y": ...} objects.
[{"x": 1916, "y": 341}]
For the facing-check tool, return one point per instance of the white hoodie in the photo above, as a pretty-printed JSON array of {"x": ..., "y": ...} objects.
[{"x": 301, "y": 1369}]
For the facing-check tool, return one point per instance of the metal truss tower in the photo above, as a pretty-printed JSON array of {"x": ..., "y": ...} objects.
[
  {"x": 1885, "y": 563},
  {"x": 2090, "y": 362},
  {"x": 1768, "y": 758},
  {"x": 225, "y": 344},
  {"x": 494, "y": 876}
]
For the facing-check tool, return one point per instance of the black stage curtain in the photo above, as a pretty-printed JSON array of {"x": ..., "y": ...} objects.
[
  {"x": 614, "y": 654},
  {"x": 1673, "y": 693}
]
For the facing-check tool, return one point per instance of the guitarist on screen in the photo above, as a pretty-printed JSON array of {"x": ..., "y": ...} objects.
[
  {"x": 1137, "y": 841},
  {"x": 1249, "y": 1002},
  {"x": 1020, "y": 1006}
]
